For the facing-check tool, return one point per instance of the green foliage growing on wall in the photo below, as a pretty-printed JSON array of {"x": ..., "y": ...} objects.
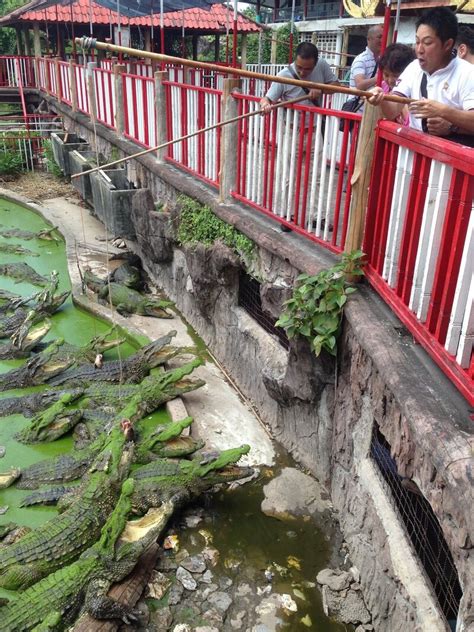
[
  {"x": 51, "y": 165},
  {"x": 198, "y": 224},
  {"x": 315, "y": 309}
]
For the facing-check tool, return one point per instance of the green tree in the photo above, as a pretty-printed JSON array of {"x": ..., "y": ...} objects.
[{"x": 7, "y": 35}]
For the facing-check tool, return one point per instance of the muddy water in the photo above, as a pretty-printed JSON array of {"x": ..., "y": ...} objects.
[{"x": 292, "y": 553}]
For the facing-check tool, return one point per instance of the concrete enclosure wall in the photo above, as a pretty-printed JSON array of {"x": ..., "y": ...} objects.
[{"x": 323, "y": 411}]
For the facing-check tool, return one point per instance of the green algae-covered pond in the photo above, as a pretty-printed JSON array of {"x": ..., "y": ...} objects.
[{"x": 294, "y": 551}]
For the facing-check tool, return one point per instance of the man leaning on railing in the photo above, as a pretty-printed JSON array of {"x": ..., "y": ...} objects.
[{"x": 441, "y": 84}]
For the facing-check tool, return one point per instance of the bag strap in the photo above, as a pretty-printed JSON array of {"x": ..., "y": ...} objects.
[
  {"x": 424, "y": 94},
  {"x": 295, "y": 76},
  {"x": 359, "y": 101}
]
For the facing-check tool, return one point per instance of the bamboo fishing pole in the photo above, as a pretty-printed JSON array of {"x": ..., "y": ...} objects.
[
  {"x": 198, "y": 131},
  {"x": 90, "y": 42}
]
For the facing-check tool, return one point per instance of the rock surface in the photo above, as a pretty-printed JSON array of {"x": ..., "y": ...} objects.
[{"x": 293, "y": 493}]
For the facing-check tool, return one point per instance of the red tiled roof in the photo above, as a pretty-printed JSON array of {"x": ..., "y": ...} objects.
[
  {"x": 81, "y": 12},
  {"x": 194, "y": 19},
  {"x": 199, "y": 19}
]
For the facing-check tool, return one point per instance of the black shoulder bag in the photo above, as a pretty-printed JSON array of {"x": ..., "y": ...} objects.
[{"x": 353, "y": 105}]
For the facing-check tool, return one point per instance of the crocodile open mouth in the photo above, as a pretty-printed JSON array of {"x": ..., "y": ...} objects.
[{"x": 155, "y": 517}]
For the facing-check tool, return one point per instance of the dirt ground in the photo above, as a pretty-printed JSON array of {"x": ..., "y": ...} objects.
[{"x": 40, "y": 186}]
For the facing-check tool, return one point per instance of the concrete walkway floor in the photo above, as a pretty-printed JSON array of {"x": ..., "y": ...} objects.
[{"x": 221, "y": 417}]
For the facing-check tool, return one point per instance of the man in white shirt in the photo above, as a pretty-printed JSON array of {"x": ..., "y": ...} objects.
[
  {"x": 442, "y": 85},
  {"x": 362, "y": 69}
]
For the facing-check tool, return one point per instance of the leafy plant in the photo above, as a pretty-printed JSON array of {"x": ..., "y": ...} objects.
[
  {"x": 315, "y": 309},
  {"x": 198, "y": 224},
  {"x": 10, "y": 163},
  {"x": 51, "y": 164}
]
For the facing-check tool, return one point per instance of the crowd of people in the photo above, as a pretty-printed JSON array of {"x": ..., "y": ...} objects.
[{"x": 437, "y": 74}]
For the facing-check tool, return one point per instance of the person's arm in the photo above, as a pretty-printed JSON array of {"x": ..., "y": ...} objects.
[
  {"x": 362, "y": 83},
  {"x": 389, "y": 109},
  {"x": 460, "y": 120},
  {"x": 274, "y": 94}
]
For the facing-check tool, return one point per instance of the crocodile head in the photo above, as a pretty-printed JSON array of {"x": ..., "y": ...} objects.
[
  {"x": 154, "y": 351},
  {"x": 157, "y": 308},
  {"x": 27, "y": 340},
  {"x": 101, "y": 344}
]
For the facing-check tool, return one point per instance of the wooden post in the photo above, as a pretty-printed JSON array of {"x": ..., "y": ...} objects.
[
  {"x": 119, "y": 106},
  {"x": 91, "y": 90},
  {"x": 18, "y": 41},
  {"x": 243, "y": 49},
  {"x": 57, "y": 72},
  {"x": 26, "y": 38},
  {"x": 160, "y": 100},
  {"x": 273, "y": 52},
  {"x": 229, "y": 141},
  {"x": 217, "y": 42},
  {"x": 36, "y": 39},
  {"x": 73, "y": 84},
  {"x": 148, "y": 39},
  {"x": 361, "y": 177}
]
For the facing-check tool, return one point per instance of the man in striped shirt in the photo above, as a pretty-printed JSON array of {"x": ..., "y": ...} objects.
[{"x": 362, "y": 69}]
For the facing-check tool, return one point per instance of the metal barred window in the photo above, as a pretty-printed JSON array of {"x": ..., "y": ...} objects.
[
  {"x": 251, "y": 301},
  {"x": 422, "y": 527}
]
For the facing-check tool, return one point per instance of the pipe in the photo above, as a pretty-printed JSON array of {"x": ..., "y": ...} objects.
[{"x": 168, "y": 59}]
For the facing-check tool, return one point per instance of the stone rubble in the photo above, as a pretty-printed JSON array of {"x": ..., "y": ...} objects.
[{"x": 342, "y": 597}]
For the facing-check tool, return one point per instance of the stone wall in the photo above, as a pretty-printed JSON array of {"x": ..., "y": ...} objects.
[{"x": 323, "y": 412}]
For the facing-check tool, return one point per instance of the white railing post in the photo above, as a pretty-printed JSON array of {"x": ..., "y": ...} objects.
[
  {"x": 229, "y": 141},
  {"x": 160, "y": 105},
  {"x": 120, "y": 114}
]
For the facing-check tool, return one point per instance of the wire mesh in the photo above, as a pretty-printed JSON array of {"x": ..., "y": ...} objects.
[
  {"x": 422, "y": 527},
  {"x": 251, "y": 301}
]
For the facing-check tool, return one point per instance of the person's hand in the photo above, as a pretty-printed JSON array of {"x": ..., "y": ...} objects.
[
  {"x": 438, "y": 126},
  {"x": 426, "y": 108},
  {"x": 377, "y": 97},
  {"x": 265, "y": 106},
  {"x": 313, "y": 95}
]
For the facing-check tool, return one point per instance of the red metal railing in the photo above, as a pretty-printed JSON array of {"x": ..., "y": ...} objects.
[
  {"x": 65, "y": 82},
  {"x": 14, "y": 69},
  {"x": 80, "y": 75},
  {"x": 139, "y": 108},
  {"x": 105, "y": 96},
  {"x": 307, "y": 191},
  {"x": 189, "y": 108},
  {"x": 419, "y": 243}
]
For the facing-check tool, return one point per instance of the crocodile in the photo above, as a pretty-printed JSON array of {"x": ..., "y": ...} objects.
[
  {"x": 46, "y": 496},
  {"x": 129, "y": 274},
  {"x": 158, "y": 481},
  {"x": 22, "y": 317},
  {"x": 24, "y": 340},
  {"x": 125, "y": 300},
  {"x": 22, "y": 272},
  {"x": 63, "y": 538},
  {"x": 131, "y": 401},
  {"x": 164, "y": 442},
  {"x": 53, "y": 603},
  {"x": 45, "y": 233},
  {"x": 130, "y": 370},
  {"x": 54, "y": 422},
  {"x": 16, "y": 249},
  {"x": 57, "y": 357},
  {"x": 29, "y": 405}
]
